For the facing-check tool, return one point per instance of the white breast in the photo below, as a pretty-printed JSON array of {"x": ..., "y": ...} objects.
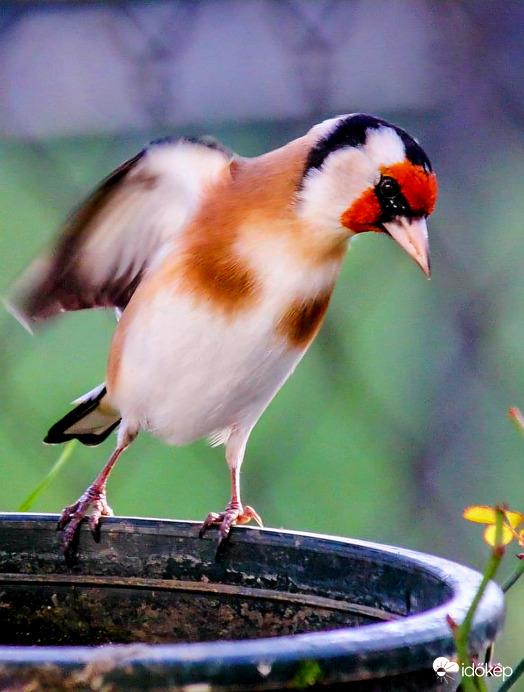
[{"x": 188, "y": 371}]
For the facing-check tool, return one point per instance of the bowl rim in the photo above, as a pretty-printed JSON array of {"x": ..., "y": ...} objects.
[{"x": 415, "y": 639}]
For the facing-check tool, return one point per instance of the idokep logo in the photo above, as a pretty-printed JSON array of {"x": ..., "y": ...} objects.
[
  {"x": 484, "y": 670},
  {"x": 444, "y": 668}
]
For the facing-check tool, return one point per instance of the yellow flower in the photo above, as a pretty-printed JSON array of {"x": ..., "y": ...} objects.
[{"x": 481, "y": 514}]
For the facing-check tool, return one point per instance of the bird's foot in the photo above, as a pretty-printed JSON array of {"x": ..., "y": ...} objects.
[
  {"x": 72, "y": 516},
  {"x": 233, "y": 515}
]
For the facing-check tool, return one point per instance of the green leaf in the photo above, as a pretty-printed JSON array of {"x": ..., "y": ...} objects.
[{"x": 55, "y": 470}]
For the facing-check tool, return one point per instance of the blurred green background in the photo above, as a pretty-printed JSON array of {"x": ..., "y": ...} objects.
[{"x": 396, "y": 420}]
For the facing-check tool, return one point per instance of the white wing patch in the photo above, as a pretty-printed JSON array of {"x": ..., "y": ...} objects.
[
  {"x": 159, "y": 195},
  {"x": 115, "y": 235}
]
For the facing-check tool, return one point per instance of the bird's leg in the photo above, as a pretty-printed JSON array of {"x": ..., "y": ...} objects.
[
  {"x": 95, "y": 498},
  {"x": 234, "y": 513}
]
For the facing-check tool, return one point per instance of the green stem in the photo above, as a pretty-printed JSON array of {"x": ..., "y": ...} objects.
[
  {"x": 519, "y": 670},
  {"x": 66, "y": 453},
  {"x": 464, "y": 629},
  {"x": 513, "y": 577}
]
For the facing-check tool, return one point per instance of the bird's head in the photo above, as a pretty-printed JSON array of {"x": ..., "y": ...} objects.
[{"x": 363, "y": 174}]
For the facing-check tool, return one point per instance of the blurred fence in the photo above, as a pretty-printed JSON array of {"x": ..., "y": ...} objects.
[{"x": 396, "y": 420}]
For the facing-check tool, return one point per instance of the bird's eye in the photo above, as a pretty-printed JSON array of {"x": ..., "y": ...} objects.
[{"x": 389, "y": 187}]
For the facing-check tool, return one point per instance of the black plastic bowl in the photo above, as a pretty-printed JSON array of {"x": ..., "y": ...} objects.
[{"x": 149, "y": 608}]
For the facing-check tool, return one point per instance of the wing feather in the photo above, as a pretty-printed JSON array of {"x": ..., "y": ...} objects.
[{"x": 109, "y": 242}]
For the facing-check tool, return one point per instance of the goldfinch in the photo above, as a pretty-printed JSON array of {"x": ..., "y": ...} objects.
[{"x": 222, "y": 269}]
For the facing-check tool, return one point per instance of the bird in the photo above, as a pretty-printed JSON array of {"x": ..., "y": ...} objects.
[{"x": 220, "y": 269}]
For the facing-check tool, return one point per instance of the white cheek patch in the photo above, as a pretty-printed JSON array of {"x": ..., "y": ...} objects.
[
  {"x": 345, "y": 174},
  {"x": 384, "y": 147},
  {"x": 329, "y": 191}
]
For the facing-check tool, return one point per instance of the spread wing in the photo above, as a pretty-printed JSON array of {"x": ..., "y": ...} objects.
[{"x": 109, "y": 242}]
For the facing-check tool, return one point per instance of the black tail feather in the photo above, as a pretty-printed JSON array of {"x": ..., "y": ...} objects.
[{"x": 88, "y": 405}]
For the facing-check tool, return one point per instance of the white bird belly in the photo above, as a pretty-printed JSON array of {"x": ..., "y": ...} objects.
[{"x": 188, "y": 372}]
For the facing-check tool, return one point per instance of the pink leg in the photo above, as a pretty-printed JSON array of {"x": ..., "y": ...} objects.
[
  {"x": 94, "y": 497},
  {"x": 234, "y": 512}
]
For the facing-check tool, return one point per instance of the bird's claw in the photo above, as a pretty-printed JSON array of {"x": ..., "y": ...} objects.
[
  {"x": 233, "y": 515},
  {"x": 73, "y": 515}
]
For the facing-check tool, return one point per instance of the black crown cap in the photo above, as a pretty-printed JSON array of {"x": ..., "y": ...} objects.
[{"x": 351, "y": 132}]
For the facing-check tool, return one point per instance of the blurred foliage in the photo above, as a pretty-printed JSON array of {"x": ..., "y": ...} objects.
[{"x": 396, "y": 419}]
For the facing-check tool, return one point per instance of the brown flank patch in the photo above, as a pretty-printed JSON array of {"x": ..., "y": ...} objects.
[
  {"x": 215, "y": 272},
  {"x": 301, "y": 321}
]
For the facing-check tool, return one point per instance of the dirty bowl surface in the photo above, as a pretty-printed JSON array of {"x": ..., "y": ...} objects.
[{"x": 149, "y": 608}]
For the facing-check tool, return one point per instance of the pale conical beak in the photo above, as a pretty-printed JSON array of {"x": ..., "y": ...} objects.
[{"x": 412, "y": 235}]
